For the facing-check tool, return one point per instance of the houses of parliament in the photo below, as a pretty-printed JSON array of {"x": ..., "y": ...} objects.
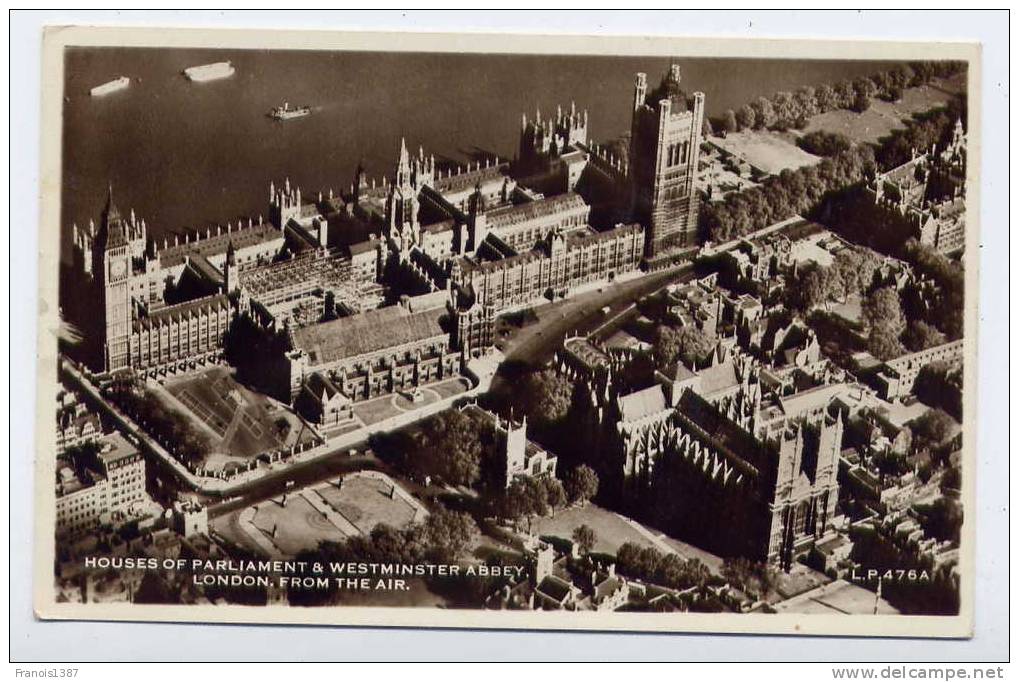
[{"x": 456, "y": 247}]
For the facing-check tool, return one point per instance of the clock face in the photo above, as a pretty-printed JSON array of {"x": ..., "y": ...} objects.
[{"x": 117, "y": 269}]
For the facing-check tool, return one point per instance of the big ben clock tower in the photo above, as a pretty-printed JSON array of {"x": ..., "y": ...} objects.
[{"x": 113, "y": 270}]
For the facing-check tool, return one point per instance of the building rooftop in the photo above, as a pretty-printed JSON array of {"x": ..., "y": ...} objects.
[
  {"x": 114, "y": 448},
  {"x": 367, "y": 332},
  {"x": 533, "y": 210},
  {"x": 643, "y": 403},
  {"x": 810, "y": 400},
  {"x": 177, "y": 312},
  {"x": 216, "y": 244},
  {"x": 717, "y": 378},
  {"x": 469, "y": 179},
  {"x": 586, "y": 352}
]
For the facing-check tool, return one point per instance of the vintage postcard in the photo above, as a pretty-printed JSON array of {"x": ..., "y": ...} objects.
[{"x": 486, "y": 331}]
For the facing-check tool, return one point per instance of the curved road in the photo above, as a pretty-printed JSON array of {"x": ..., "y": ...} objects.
[{"x": 534, "y": 343}]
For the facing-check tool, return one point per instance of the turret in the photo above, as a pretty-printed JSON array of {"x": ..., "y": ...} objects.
[{"x": 639, "y": 90}]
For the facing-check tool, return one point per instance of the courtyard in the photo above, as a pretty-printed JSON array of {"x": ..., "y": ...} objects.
[
  {"x": 384, "y": 407},
  {"x": 242, "y": 423}
]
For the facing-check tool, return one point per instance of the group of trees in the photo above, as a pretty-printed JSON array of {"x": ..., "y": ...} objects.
[
  {"x": 947, "y": 310},
  {"x": 932, "y": 127},
  {"x": 824, "y": 143},
  {"x": 785, "y": 110},
  {"x": 942, "y": 519},
  {"x": 802, "y": 190},
  {"x": 668, "y": 570},
  {"x": 755, "y": 578},
  {"x": 449, "y": 446},
  {"x": 549, "y": 396},
  {"x": 585, "y": 538},
  {"x": 444, "y": 537},
  {"x": 852, "y": 273},
  {"x": 580, "y": 484},
  {"x": 528, "y": 497},
  {"x": 882, "y": 316},
  {"x": 940, "y": 384},
  {"x": 686, "y": 344},
  {"x": 932, "y": 428},
  {"x": 189, "y": 444},
  {"x": 781, "y": 196}
]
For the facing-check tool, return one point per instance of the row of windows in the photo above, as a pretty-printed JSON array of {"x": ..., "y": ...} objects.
[{"x": 677, "y": 153}]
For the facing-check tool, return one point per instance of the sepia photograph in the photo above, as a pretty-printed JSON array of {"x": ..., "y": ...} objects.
[{"x": 493, "y": 333}]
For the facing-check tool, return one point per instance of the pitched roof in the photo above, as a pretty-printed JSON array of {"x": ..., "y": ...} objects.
[
  {"x": 643, "y": 403},
  {"x": 532, "y": 210},
  {"x": 175, "y": 313},
  {"x": 717, "y": 378},
  {"x": 810, "y": 400},
  {"x": 367, "y": 332}
]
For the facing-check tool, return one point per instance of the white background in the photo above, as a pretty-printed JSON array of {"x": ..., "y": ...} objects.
[{"x": 33, "y": 640}]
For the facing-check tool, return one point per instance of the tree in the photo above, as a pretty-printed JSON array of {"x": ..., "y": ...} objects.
[
  {"x": 921, "y": 336},
  {"x": 329, "y": 307},
  {"x": 452, "y": 448},
  {"x": 934, "y": 426},
  {"x": 729, "y": 123},
  {"x": 951, "y": 479},
  {"x": 551, "y": 395},
  {"x": 449, "y": 533},
  {"x": 806, "y": 101},
  {"x": 882, "y": 316},
  {"x": 811, "y": 290},
  {"x": 943, "y": 519},
  {"x": 861, "y": 103},
  {"x": 706, "y": 129},
  {"x": 786, "y": 108},
  {"x": 823, "y": 143},
  {"x": 765, "y": 112},
  {"x": 580, "y": 484},
  {"x": 747, "y": 117},
  {"x": 755, "y": 578},
  {"x": 883, "y": 344},
  {"x": 525, "y": 497},
  {"x": 825, "y": 98},
  {"x": 686, "y": 344},
  {"x": 584, "y": 537},
  {"x": 844, "y": 95},
  {"x": 555, "y": 493}
]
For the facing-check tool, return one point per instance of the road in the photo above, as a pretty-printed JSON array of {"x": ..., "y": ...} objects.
[
  {"x": 534, "y": 343},
  {"x": 302, "y": 475},
  {"x": 581, "y": 314}
]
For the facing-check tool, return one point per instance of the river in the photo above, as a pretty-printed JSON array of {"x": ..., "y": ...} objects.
[{"x": 186, "y": 155}]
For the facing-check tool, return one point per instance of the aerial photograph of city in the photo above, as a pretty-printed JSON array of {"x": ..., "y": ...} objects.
[{"x": 505, "y": 332}]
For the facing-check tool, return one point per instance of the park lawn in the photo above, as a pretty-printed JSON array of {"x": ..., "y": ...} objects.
[
  {"x": 851, "y": 311},
  {"x": 299, "y": 526},
  {"x": 610, "y": 530},
  {"x": 365, "y": 502},
  {"x": 884, "y": 117}
]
